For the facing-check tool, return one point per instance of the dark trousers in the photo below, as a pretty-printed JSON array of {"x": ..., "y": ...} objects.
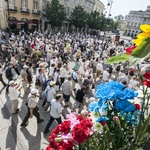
[
  {"x": 59, "y": 121},
  {"x": 35, "y": 113},
  {"x": 1, "y": 79}
]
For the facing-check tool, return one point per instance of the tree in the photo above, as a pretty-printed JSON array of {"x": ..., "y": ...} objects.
[
  {"x": 119, "y": 17},
  {"x": 93, "y": 20},
  {"x": 55, "y": 13},
  {"x": 78, "y": 17},
  {"x": 103, "y": 22}
]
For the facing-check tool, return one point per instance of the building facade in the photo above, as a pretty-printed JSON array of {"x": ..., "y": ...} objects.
[
  {"x": 88, "y": 5},
  {"x": 135, "y": 19},
  {"x": 22, "y": 14}
]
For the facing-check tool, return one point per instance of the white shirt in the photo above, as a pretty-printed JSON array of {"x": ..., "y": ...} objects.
[
  {"x": 63, "y": 72},
  {"x": 99, "y": 67},
  {"x": 13, "y": 93},
  {"x": 55, "y": 109},
  {"x": 133, "y": 83},
  {"x": 67, "y": 87},
  {"x": 51, "y": 94},
  {"x": 105, "y": 76}
]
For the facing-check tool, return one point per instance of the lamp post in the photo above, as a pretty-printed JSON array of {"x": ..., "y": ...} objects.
[{"x": 110, "y": 7}]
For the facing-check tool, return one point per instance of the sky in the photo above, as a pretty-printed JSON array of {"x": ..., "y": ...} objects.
[{"x": 123, "y": 7}]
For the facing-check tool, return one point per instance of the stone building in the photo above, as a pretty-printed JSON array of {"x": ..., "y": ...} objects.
[
  {"x": 21, "y": 14},
  {"x": 88, "y": 5},
  {"x": 135, "y": 19}
]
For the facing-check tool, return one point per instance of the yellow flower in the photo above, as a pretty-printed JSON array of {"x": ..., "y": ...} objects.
[
  {"x": 145, "y": 28},
  {"x": 146, "y": 33}
]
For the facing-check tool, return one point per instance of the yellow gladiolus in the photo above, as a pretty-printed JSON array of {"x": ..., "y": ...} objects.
[
  {"x": 146, "y": 33},
  {"x": 145, "y": 28}
]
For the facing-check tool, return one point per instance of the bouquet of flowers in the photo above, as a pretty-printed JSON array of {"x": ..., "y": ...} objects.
[{"x": 119, "y": 119}]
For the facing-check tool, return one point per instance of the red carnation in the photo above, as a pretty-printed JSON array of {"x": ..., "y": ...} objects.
[
  {"x": 147, "y": 75},
  {"x": 56, "y": 130},
  {"x": 87, "y": 122},
  {"x": 80, "y": 117},
  {"x": 137, "y": 106},
  {"x": 49, "y": 148},
  {"x": 146, "y": 82},
  {"x": 80, "y": 133},
  {"x": 67, "y": 145},
  {"x": 103, "y": 123},
  {"x": 130, "y": 49},
  {"x": 65, "y": 127}
]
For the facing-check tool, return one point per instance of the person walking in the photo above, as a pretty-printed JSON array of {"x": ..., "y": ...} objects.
[
  {"x": 55, "y": 113},
  {"x": 67, "y": 90},
  {"x": 13, "y": 93},
  {"x": 33, "y": 109},
  {"x": 1, "y": 75}
]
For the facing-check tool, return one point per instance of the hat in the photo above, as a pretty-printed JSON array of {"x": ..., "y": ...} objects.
[
  {"x": 52, "y": 83},
  {"x": 34, "y": 91},
  {"x": 11, "y": 82}
]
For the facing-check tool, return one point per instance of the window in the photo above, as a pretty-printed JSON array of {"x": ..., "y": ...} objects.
[
  {"x": 35, "y": 5},
  {"x": 11, "y": 2},
  {"x": 24, "y": 3}
]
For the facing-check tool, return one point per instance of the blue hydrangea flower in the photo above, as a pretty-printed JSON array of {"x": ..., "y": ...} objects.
[{"x": 93, "y": 106}]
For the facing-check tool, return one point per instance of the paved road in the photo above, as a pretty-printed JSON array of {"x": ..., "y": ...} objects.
[{"x": 20, "y": 138}]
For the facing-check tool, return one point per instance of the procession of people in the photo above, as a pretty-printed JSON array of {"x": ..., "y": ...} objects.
[{"x": 61, "y": 69}]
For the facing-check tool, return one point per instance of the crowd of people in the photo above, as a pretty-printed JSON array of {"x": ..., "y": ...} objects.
[{"x": 57, "y": 67}]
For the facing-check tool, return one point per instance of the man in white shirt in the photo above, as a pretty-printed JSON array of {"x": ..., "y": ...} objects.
[
  {"x": 55, "y": 113},
  {"x": 74, "y": 79},
  {"x": 13, "y": 93},
  {"x": 63, "y": 74},
  {"x": 99, "y": 69},
  {"x": 51, "y": 93},
  {"x": 67, "y": 90},
  {"x": 106, "y": 75}
]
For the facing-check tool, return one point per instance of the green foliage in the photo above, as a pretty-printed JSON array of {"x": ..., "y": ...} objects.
[
  {"x": 55, "y": 13},
  {"x": 93, "y": 20},
  {"x": 119, "y": 58},
  {"x": 119, "y": 17},
  {"x": 78, "y": 17}
]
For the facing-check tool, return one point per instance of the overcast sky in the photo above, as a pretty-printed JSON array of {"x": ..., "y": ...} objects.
[{"x": 124, "y": 6}]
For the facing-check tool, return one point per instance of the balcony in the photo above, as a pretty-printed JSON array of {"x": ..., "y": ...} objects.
[
  {"x": 25, "y": 10},
  {"x": 13, "y": 8},
  {"x": 36, "y": 12}
]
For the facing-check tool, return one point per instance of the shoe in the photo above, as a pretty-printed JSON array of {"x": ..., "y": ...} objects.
[
  {"x": 17, "y": 109},
  {"x": 40, "y": 121},
  {"x": 46, "y": 131},
  {"x": 24, "y": 125},
  {"x": 66, "y": 105}
]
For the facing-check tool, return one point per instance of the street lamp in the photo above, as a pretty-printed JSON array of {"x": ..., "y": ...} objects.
[{"x": 110, "y": 5}]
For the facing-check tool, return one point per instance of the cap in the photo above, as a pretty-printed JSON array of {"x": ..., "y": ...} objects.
[
  {"x": 11, "y": 82},
  {"x": 34, "y": 91},
  {"x": 52, "y": 83}
]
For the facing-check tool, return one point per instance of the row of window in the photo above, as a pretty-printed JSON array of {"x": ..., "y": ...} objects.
[{"x": 24, "y": 4}]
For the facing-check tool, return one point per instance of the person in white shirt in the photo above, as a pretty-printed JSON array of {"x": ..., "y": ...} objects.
[
  {"x": 51, "y": 93},
  {"x": 32, "y": 108},
  {"x": 63, "y": 74},
  {"x": 75, "y": 78},
  {"x": 106, "y": 75},
  {"x": 55, "y": 113},
  {"x": 67, "y": 90},
  {"x": 133, "y": 82},
  {"x": 13, "y": 93},
  {"x": 1, "y": 75},
  {"x": 99, "y": 69}
]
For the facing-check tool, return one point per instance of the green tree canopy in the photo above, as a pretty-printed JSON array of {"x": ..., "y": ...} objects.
[
  {"x": 93, "y": 20},
  {"x": 55, "y": 13},
  {"x": 78, "y": 17},
  {"x": 119, "y": 17}
]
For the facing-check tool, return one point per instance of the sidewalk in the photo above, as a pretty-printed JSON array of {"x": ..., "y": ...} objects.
[{"x": 14, "y": 136}]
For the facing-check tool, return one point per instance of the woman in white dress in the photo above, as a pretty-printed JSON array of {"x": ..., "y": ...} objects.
[{"x": 82, "y": 67}]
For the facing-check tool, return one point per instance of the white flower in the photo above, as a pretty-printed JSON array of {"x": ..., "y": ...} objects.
[
  {"x": 97, "y": 126},
  {"x": 94, "y": 116}
]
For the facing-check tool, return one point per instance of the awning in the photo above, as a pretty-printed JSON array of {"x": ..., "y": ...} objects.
[{"x": 16, "y": 22}]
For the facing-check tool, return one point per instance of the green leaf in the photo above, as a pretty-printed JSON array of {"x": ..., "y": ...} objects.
[
  {"x": 119, "y": 58},
  {"x": 143, "y": 49},
  {"x": 133, "y": 61}
]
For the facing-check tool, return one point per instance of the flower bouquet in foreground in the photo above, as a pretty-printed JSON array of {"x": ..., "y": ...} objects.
[
  {"x": 111, "y": 123},
  {"x": 118, "y": 120}
]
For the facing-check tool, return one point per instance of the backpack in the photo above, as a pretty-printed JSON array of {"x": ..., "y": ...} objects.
[
  {"x": 8, "y": 73},
  {"x": 45, "y": 84}
]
